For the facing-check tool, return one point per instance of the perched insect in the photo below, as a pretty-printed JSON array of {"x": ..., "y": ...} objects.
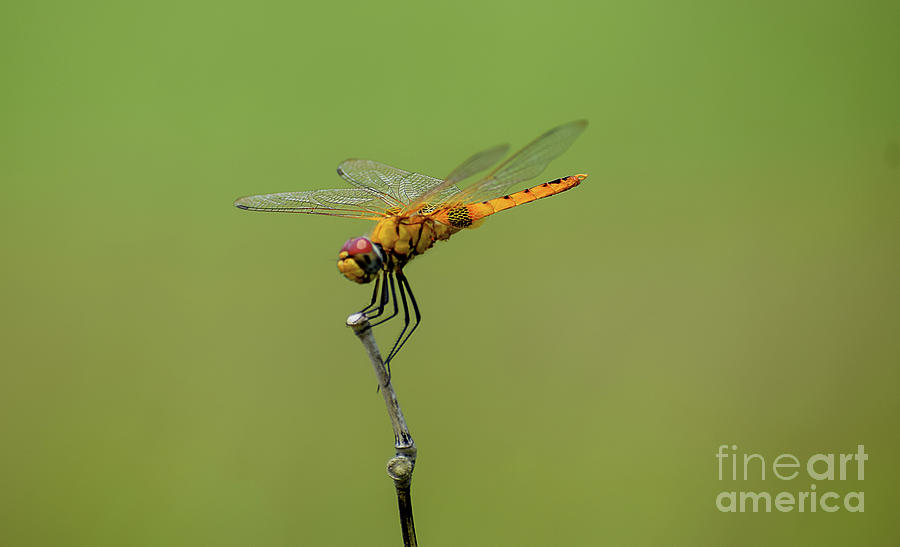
[{"x": 414, "y": 210}]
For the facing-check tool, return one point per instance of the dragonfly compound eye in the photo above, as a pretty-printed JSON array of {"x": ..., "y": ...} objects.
[{"x": 360, "y": 260}]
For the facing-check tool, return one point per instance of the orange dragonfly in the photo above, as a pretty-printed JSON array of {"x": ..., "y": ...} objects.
[{"x": 413, "y": 211}]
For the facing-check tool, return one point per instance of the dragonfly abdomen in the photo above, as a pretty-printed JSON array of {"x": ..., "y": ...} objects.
[{"x": 466, "y": 215}]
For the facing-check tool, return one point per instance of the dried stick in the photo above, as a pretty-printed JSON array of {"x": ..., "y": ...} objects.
[{"x": 400, "y": 467}]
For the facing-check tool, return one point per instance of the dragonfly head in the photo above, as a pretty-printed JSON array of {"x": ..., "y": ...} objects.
[{"x": 360, "y": 260}]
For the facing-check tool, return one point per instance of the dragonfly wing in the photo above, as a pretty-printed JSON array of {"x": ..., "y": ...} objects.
[
  {"x": 341, "y": 202},
  {"x": 477, "y": 163},
  {"x": 396, "y": 187},
  {"x": 447, "y": 189},
  {"x": 525, "y": 164}
]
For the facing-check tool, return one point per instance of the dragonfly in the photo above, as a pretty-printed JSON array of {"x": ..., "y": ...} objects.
[{"x": 413, "y": 211}]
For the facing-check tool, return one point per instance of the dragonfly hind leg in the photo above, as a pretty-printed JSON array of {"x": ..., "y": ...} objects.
[{"x": 405, "y": 290}]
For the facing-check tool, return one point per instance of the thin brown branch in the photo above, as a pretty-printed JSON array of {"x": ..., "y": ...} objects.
[{"x": 400, "y": 467}]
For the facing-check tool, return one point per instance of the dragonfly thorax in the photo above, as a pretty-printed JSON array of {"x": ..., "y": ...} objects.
[
  {"x": 360, "y": 260},
  {"x": 404, "y": 237}
]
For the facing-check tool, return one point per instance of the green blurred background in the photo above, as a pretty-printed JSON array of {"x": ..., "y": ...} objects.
[{"x": 176, "y": 371}]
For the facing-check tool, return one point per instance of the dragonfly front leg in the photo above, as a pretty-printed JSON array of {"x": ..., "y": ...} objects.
[
  {"x": 390, "y": 279},
  {"x": 371, "y": 305},
  {"x": 383, "y": 302}
]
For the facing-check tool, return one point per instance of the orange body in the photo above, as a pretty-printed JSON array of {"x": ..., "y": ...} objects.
[
  {"x": 412, "y": 211},
  {"x": 404, "y": 237}
]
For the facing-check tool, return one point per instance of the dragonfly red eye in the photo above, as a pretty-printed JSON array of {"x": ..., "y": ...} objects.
[
  {"x": 357, "y": 245},
  {"x": 360, "y": 260}
]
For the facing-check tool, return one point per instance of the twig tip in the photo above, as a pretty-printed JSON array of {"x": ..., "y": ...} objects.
[{"x": 357, "y": 320}]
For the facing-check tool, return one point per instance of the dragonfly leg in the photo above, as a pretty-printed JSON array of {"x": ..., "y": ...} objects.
[
  {"x": 390, "y": 279},
  {"x": 404, "y": 283},
  {"x": 387, "y": 362},
  {"x": 382, "y": 302},
  {"x": 371, "y": 305}
]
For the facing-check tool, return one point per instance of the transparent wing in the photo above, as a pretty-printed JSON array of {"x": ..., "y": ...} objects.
[
  {"x": 476, "y": 164},
  {"x": 524, "y": 165},
  {"x": 395, "y": 186},
  {"x": 341, "y": 202},
  {"x": 448, "y": 189}
]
